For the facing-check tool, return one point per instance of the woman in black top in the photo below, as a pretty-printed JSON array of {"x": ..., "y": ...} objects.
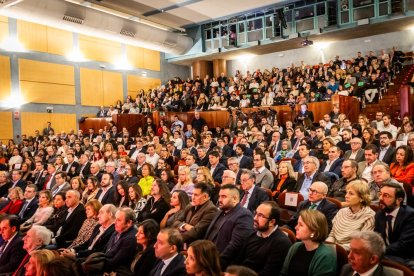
[{"x": 158, "y": 204}]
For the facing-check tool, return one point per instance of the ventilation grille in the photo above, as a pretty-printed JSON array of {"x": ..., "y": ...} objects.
[
  {"x": 127, "y": 33},
  {"x": 71, "y": 19},
  {"x": 9, "y": 3}
]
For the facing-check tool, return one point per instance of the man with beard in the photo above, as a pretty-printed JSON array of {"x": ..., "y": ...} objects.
[
  {"x": 266, "y": 249},
  {"x": 387, "y": 151},
  {"x": 106, "y": 193},
  {"x": 231, "y": 225},
  {"x": 345, "y": 144},
  {"x": 395, "y": 224}
]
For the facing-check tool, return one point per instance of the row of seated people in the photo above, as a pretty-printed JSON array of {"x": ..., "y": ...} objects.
[
  {"x": 360, "y": 77},
  {"x": 98, "y": 237}
]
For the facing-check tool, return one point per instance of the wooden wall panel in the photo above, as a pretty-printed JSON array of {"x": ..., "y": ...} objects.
[
  {"x": 135, "y": 56},
  {"x": 152, "y": 60},
  {"x": 135, "y": 83},
  {"x": 6, "y": 126},
  {"x": 91, "y": 87},
  {"x": 40, "y": 92},
  {"x": 38, "y": 71},
  {"x": 99, "y": 49},
  {"x": 33, "y": 36},
  {"x": 37, "y": 121},
  {"x": 5, "y": 80},
  {"x": 4, "y": 28},
  {"x": 59, "y": 42},
  {"x": 112, "y": 88},
  {"x": 43, "y": 82}
]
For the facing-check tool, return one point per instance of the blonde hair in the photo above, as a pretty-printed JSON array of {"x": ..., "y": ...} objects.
[
  {"x": 291, "y": 172},
  {"x": 362, "y": 189},
  {"x": 42, "y": 258},
  {"x": 188, "y": 180},
  {"x": 207, "y": 175}
]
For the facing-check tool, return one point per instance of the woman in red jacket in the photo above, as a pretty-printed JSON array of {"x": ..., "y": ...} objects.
[
  {"x": 403, "y": 168},
  {"x": 15, "y": 203}
]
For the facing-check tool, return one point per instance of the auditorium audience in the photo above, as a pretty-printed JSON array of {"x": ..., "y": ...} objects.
[{"x": 118, "y": 167}]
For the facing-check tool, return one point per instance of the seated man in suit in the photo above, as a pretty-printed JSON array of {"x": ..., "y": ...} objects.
[
  {"x": 11, "y": 249},
  {"x": 30, "y": 203},
  {"x": 197, "y": 216},
  {"x": 304, "y": 151},
  {"x": 366, "y": 251},
  {"x": 304, "y": 113},
  {"x": 36, "y": 238},
  {"x": 61, "y": 184},
  {"x": 381, "y": 175},
  {"x": 317, "y": 200},
  {"x": 266, "y": 249},
  {"x": 310, "y": 175},
  {"x": 73, "y": 222},
  {"x": 231, "y": 225},
  {"x": 371, "y": 159},
  {"x": 386, "y": 151},
  {"x": 216, "y": 168},
  {"x": 106, "y": 193},
  {"x": 167, "y": 249},
  {"x": 349, "y": 173},
  {"x": 334, "y": 162},
  {"x": 71, "y": 167},
  {"x": 251, "y": 195},
  {"x": 100, "y": 235},
  {"x": 357, "y": 152},
  {"x": 119, "y": 252},
  {"x": 264, "y": 177},
  {"x": 245, "y": 162},
  {"x": 395, "y": 224}
]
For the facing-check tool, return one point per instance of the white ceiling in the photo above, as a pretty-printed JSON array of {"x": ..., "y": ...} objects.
[{"x": 181, "y": 13}]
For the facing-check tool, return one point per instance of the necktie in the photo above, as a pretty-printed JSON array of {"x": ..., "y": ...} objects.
[
  {"x": 3, "y": 247},
  {"x": 389, "y": 227},
  {"x": 313, "y": 206},
  {"x": 23, "y": 208},
  {"x": 244, "y": 199},
  {"x": 159, "y": 269},
  {"x": 47, "y": 181}
]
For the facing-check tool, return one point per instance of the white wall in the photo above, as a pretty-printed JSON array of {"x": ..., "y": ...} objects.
[{"x": 347, "y": 49}]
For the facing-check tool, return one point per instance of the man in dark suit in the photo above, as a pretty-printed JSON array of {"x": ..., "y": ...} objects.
[
  {"x": 386, "y": 151},
  {"x": 202, "y": 156},
  {"x": 216, "y": 166},
  {"x": 139, "y": 147},
  {"x": 245, "y": 162},
  {"x": 71, "y": 167},
  {"x": 230, "y": 226},
  {"x": 303, "y": 152},
  {"x": 168, "y": 247},
  {"x": 275, "y": 144},
  {"x": 102, "y": 113},
  {"x": 17, "y": 180},
  {"x": 38, "y": 175},
  {"x": 61, "y": 184},
  {"x": 73, "y": 222},
  {"x": 11, "y": 249},
  {"x": 395, "y": 224},
  {"x": 120, "y": 248},
  {"x": 334, "y": 162},
  {"x": 95, "y": 171},
  {"x": 310, "y": 175},
  {"x": 30, "y": 203},
  {"x": 304, "y": 113},
  {"x": 84, "y": 168},
  {"x": 106, "y": 193},
  {"x": 356, "y": 153},
  {"x": 317, "y": 200},
  {"x": 251, "y": 195},
  {"x": 197, "y": 216},
  {"x": 266, "y": 249},
  {"x": 100, "y": 235},
  {"x": 226, "y": 149},
  {"x": 366, "y": 252}
]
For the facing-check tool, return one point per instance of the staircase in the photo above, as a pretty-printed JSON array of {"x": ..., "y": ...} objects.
[{"x": 390, "y": 102}]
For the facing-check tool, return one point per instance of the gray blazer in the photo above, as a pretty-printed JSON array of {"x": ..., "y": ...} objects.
[
  {"x": 265, "y": 179},
  {"x": 359, "y": 157}
]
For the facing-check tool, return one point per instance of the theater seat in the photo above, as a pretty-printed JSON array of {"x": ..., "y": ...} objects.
[
  {"x": 341, "y": 254},
  {"x": 397, "y": 268},
  {"x": 289, "y": 233}
]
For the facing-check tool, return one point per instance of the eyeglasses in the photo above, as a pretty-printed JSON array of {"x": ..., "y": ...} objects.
[
  {"x": 387, "y": 196},
  {"x": 308, "y": 162},
  {"x": 260, "y": 215},
  {"x": 355, "y": 143},
  {"x": 312, "y": 191}
]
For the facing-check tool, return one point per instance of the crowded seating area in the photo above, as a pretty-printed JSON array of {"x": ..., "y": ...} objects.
[
  {"x": 257, "y": 197},
  {"x": 364, "y": 77}
]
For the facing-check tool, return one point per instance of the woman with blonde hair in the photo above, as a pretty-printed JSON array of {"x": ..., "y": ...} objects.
[
  {"x": 358, "y": 216},
  {"x": 38, "y": 261},
  {"x": 15, "y": 203},
  {"x": 185, "y": 181},
  {"x": 363, "y": 121},
  {"x": 285, "y": 180},
  {"x": 43, "y": 212}
]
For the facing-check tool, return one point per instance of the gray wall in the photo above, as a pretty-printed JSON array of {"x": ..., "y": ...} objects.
[{"x": 312, "y": 55}]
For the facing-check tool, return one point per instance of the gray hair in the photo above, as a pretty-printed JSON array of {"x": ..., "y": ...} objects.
[
  {"x": 249, "y": 173},
  {"x": 322, "y": 185},
  {"x": 75, "y": 192},
  {"x": 373, "y": 242},
  {"x": 230, "y": 173},
  {"x": 315, "y": 161},
  {"x": 42, "y": 233},
  {"x": 110, "y": 208}
]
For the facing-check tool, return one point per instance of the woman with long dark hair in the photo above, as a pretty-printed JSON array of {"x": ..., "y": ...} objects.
[{"x": 158, "y": 204}]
